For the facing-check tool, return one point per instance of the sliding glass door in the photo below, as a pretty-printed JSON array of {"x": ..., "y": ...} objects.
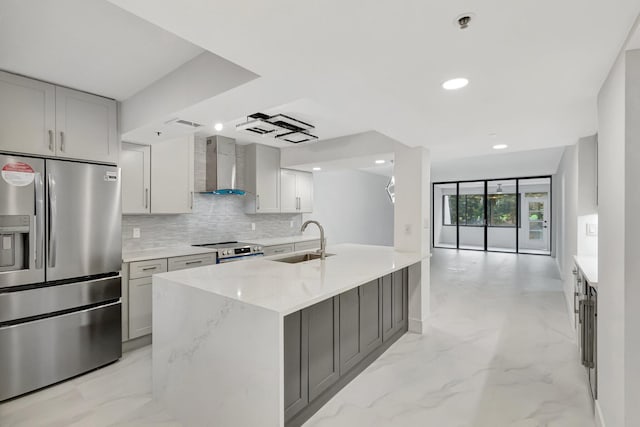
[
  {"x": 502, "y": 215},
  {"x": 505, "y": 215},
  {"x": 471, "y": 215}
]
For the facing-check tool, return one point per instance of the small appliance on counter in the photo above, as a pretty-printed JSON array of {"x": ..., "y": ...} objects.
[
  {"x": 60, "y": 257},
  {"x": 233, "y": 251}
]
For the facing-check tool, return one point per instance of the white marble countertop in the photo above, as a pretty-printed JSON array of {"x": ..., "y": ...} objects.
[
  {"x": 589, "y": 267},
  {"x": 273, "y": 241},
  {"x": 166, "y": 252},
  {"x": 286, "y": 288}
]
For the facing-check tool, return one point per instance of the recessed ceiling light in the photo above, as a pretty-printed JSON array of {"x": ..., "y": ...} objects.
[
  {"x": 218, "y": 127},
  {"x": 500, "y": 146},
  {"x": 379, "y": 162},
  {"x": 454, "y": 84},
  {"x": 317, "y": 169}
]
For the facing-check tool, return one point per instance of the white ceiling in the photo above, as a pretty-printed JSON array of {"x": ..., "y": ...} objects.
[
  {"x": 89, "y": 45},
  {"x": 499, "y": 165},
  {"x": 535, "y": 67}
]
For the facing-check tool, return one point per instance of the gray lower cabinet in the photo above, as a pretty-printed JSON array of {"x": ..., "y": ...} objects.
[
  {"x": 323, "y": 346},
  {"x": 296, "y": 362},
  {"x": 370, "y": 316},
  {"x": 360, "y": 323},
  {"x": 394, "y": 303},
  {"x": 399, "y": 281},
  {"x": 327, "y": 344},
  {"x": 350, "y": 327}
]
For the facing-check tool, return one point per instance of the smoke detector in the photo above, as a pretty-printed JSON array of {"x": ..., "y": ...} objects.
[{"x": 464, "y": 20}]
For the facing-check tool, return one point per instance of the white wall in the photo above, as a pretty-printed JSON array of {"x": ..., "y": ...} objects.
[
  {"x": 353, "y": 207},
  {"x": 611, "y": 246},
  {"x": 587, "y": 244},
  {"x": 565, "y": 205},
  {"x": 632, "y": 236}
]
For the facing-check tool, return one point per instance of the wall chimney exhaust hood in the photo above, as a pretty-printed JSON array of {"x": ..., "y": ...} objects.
[{"x": 221, "y": 166}]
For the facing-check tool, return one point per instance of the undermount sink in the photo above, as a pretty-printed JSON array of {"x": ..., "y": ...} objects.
[{"x": 294, "y": 259}]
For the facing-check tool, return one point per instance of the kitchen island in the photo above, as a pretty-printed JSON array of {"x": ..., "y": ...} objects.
[{"x": 266, "y": 343}]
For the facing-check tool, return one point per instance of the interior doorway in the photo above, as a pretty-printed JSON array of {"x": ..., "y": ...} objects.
[{"x": 497, "y": 215}]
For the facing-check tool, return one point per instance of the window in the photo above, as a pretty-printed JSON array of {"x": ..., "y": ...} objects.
[
  {"x": 502, "y": 210},
  {"x": 471, "y": 210}
]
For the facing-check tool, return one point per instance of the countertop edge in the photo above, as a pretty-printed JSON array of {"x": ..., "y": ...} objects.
[
  {"x": 586, "y": 266},
  {"x": 136, "y": 256}
]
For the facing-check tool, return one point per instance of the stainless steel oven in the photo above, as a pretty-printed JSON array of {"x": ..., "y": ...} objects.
[{"x": 234, "y": 251}]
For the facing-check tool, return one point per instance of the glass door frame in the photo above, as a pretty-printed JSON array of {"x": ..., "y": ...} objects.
[{"x": 486, "y": 223}]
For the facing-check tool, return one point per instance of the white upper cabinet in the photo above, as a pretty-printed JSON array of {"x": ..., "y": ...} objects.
[
  {"x": 262, "y": 179},
  {"x": 158, "y": 179},
  {"x": 172, "y": 175},
  {"x": 304, "y": 187},
  {"x": 296, "y": 191},
  {"x": 42, "y": 119},
  {"x": 86, "y": 126},
  {"x": 135, "y": 161},
  {"x": 288, "y": 193},
  {"x": 27, "y": 115}
]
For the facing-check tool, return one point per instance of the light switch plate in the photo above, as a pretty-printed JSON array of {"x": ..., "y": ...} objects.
[
  {"x": 136, "y": 233},
  {"x": 592, "y": 229}
]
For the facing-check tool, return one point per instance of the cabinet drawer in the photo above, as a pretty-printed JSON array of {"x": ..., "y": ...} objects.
[
  {"x": 304, "y": 246},
  {"x": 191, "y": 261},
  {"x": 147, "y": 268},
  {"x": 278, "y": 249}
]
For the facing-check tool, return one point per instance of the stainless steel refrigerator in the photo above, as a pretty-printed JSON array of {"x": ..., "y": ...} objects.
[{"x": 60, "y": 257}]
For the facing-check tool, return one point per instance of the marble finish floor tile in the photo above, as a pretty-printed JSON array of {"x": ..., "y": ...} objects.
[{"x": 499, "y": 352}]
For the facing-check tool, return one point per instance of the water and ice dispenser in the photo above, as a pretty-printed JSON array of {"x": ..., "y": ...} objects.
[{"x": 14, "y": 242}]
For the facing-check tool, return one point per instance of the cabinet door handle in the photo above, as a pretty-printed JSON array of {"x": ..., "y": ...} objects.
[
  {"x": 62, "y": 144},
  {"x": 51, "y": 146},
  {"x": 39, "y": 224},
  {"x": 257, "y": 202},
  {"x": 53, "y": 220},
  {"x": 146, "y": 198},
  {"x": 278, "y": 251},
  {"x": 149, "y": 268},
  {"x": 193, "y": 262},
  {"x": 191, "y": 205}
]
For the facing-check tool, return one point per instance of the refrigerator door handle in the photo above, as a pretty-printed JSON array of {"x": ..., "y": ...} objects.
[
  {"x": 52, "y": 221},
  {"x": 39, "y": 224}
]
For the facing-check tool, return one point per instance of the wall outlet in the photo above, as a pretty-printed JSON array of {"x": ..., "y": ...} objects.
[
  {"x": 136, "y": 233},
  {"x": 253, "y": 226}
]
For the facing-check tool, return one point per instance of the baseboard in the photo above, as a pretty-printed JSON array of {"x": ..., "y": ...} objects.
[
  {"x": 598, "y": 416},
  {"x": 417, "y": 326},
  {"x": 136, "y": 343}
]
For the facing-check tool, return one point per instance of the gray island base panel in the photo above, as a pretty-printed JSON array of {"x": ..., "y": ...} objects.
[{"x": 222, "y": 359}]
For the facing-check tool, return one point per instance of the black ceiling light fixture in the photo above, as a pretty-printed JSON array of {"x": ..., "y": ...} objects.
[{"x": 279, "y": 126}]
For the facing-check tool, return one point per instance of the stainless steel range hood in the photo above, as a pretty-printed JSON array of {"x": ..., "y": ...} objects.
[{"x": 221, "y": 166}]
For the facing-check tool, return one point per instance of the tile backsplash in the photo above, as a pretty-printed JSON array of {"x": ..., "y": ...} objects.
[{"x": 215, "y": 218}]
